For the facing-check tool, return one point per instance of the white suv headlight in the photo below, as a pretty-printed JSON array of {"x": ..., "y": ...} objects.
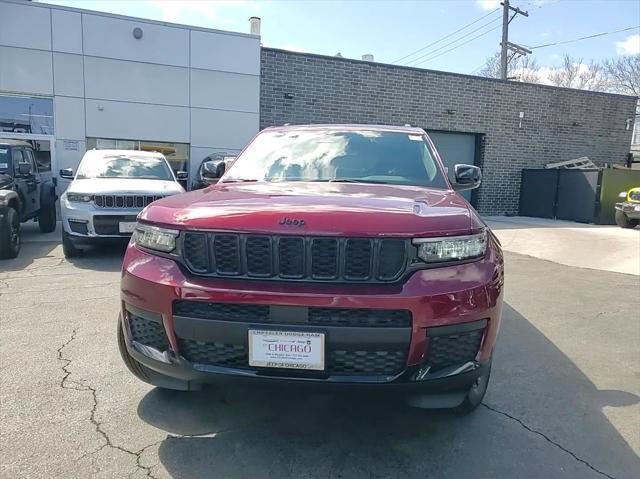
[
  {"x": 79, "y": 197},
  {"x": 154, "y": 237},
  {"x": 436, "y": 250}
]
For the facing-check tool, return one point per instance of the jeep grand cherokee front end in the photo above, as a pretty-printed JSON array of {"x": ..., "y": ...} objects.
[{"x": 326, "y": 255}]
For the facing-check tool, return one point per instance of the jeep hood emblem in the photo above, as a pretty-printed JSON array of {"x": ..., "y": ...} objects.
[{"x": 292, "y": 222}]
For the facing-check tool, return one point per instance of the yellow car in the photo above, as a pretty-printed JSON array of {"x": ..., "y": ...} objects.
[{"x": 628, "y": 210}]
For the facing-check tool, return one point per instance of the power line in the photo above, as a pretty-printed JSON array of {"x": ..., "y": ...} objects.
[
  {"x": 452, "y": 42},
  {"x": 447, "y": 36},
  {"x": 457, "y": 46},
  {"x": 585, "y": 38}
]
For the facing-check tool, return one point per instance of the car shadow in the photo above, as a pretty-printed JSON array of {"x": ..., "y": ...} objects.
[
  {"x": 540, "y": 411},
  {"x": 29, "y": 252},
  {"x": 101, "y": 257}
]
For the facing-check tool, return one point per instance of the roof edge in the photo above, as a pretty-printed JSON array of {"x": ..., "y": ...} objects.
[
  {"x": 43, "y": 4},
  {"x": 444, "y": 73}
]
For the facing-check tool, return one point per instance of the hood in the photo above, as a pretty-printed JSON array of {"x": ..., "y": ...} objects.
[
  {"x": 124, "y": 186},
  {"x": 5, "y": 180},
  {"x": 345, "y": 209}
]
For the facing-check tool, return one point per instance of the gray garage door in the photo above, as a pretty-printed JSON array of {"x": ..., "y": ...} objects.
[{"x": 455, "y": 148}]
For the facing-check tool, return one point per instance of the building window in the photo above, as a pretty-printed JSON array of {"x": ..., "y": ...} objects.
[
  {"x": 176, "y": 153},
  {"x": 24, "y": 114}
]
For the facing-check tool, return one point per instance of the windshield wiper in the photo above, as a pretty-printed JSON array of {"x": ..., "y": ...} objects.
[
  {"x": 356, "y": 180},
  {"x": 240, "y": 180}
]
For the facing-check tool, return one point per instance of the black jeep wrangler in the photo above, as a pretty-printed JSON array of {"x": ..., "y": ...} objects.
[{"x": 25, "y": 194}]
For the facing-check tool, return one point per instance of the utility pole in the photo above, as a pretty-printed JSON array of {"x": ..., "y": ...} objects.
[
  {"x": 505, "y": 39},
  {"x": 506, "y": 45}
]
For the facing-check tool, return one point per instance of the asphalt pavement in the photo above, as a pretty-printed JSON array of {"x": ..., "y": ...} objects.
[{"x": 563, "y": 402}]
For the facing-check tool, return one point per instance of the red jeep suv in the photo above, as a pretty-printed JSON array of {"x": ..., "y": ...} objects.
[{"x": 326, "y": 254}]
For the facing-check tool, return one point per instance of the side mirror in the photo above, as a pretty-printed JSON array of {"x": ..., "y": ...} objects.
[
  {"x": 24, "y": 169},
  {"x": 467, "y": 177},
  {"x": 622, "y": 195},
  {"x": 213, "y": 170},
  {"x": 182, "y": 175},
  {"x": 67, "y": 174}
]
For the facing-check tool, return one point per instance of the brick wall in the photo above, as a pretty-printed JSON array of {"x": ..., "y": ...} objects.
[{"x": 559, "y": 124}]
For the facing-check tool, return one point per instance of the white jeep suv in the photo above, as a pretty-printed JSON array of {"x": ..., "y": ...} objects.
[{"x": 108, "y": 191}]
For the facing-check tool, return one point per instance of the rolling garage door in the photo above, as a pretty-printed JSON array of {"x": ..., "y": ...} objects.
[{"x": 455, "y": 148}]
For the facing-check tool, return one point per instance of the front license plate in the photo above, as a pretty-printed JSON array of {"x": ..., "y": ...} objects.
[
  {"x": 127, "y": 227},
  {"x": 637, "y": 208},
  {"x": 286, "y": 349}
]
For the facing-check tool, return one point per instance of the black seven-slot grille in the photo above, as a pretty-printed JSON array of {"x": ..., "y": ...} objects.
[
  {"x": 124, "y": 201},
  {"x": 295, "y": 258},
  {"x": 228, "y": 347}
]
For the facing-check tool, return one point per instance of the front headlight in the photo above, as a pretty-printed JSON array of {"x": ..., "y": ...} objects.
[
  {"x": 153, "y": 237},
  {"x": 436, "y": 250},
  {"x": 79, "y": 197}
]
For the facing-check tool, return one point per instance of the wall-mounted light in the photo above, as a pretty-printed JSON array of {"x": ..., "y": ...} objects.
[
  {"x": 288, "y": 96},
  {"x": 451, "y": 111},
  {"x": 521, "y": 118},
  {"x": 629, "y": 123},
  {"x": 100, "y": 107},
  {"x": 137, "y": 33}
]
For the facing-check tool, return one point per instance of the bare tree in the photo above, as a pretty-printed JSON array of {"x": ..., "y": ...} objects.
[
  {"x": 574, "y": 73},
  {"x": 624, "y": 74},
  {"x": 523, "y": 68},
  {"x": 491, "y": 68}
]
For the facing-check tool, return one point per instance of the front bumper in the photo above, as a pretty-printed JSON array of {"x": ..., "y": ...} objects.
[
  {"x": 456, "y": 302},
  {"x": 630, "y": 209},
  {"x": 85, "y": 222}
]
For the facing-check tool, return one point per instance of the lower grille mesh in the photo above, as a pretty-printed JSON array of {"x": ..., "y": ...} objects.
[
  {"x": 148, "y": 332},
  {"x": 215, "y": 354},
  {"x": 454, "y": 349},
  {"x": 366, "y": 362}
]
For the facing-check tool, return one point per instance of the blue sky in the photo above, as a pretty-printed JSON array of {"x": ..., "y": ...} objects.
[{"x": 392, "y": 29}]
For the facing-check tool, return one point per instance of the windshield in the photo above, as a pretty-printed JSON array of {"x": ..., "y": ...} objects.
[
  {"x": 5, "y": 155},
  {"x": 365, "y": 156},
  {"x": 125, "y": 167}
]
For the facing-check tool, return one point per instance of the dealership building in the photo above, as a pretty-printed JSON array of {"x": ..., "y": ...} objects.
[{"x": 77, "y": 79}]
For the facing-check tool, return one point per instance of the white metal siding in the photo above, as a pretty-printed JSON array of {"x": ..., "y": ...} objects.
[
  {"x": 113, "y": 38},
  {"x": 175, "y": 84},
  {"x": 136, "y": 82},
  {"x": 31, "y": 71},
  {"x": 25, "y": 27},
  {"x": 67, "y": 31},
  {"x": 137, "y": 121}
]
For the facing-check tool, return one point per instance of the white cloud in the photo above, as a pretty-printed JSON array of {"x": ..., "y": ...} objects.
[
  {"x": 488, "y": 4},
  {"x": 630, "y": 46}
]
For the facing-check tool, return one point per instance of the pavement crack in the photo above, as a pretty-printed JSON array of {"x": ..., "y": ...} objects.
[
  {"x": 549, "y": 440},
  {"x": 67, "y": 383}
]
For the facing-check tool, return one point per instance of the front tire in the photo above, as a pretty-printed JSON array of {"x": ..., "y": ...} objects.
[
  {"x": 623, "y": 220},
  {"x": 9, "y": 234},
  {"x": 476, "y": 393},
  {"x": 69, "y": 249},
  {"x": 47, "y": 219}
]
